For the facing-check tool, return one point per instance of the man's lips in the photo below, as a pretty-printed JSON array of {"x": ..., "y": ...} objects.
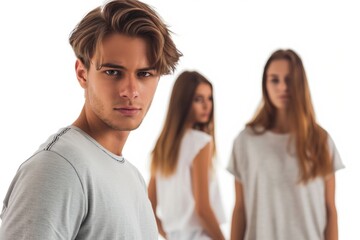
[{"x": 128, "y": 111}]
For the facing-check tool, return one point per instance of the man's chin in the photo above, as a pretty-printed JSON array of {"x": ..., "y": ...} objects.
[{"x": 129, "y": 127}]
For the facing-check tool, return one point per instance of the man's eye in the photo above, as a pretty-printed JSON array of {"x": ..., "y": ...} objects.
[
  {"x": 112, "y": 72},
  {"x": 144, "y": 74}
]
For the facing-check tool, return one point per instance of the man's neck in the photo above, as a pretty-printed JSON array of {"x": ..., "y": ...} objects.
[{"x": 111, "y": 139}]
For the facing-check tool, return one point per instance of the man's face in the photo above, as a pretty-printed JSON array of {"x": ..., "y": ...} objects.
[{"x": 119, "y": 94}]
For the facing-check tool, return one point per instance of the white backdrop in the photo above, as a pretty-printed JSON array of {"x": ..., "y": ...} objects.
[{"x": 228, "y": 41}]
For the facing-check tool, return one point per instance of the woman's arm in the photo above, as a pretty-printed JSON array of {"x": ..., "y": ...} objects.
[
  {"x": 153, "y": 200},
  {"x": 238, "y": 223},
  {"x": 331, "y": 230},
  {"x": 200, "y": 182}
]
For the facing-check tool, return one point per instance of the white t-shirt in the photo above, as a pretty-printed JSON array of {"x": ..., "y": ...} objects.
[
  {"x": 73, "y": 188},
  {"x": 277, "y": 207},
  {"x": 176, "y": 205}
]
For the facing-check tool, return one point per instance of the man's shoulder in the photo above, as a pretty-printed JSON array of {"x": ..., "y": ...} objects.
[
  {"x": 67, "y": 137},
  {"x": 70, "y": 143},
  {"x": 46, "y": 161},
  {"x": 61, "y": 148}
]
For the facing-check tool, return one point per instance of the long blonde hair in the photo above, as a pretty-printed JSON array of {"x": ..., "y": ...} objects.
[
  {"x": 165, "y": 153},
  {"x": 310, "y": 138}
]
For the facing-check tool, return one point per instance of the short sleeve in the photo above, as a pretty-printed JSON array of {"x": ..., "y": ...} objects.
[
  {"x": 45, "y": 200},
  {"x": 235, "y": 159},
  {"x": 334, "y": 155}
]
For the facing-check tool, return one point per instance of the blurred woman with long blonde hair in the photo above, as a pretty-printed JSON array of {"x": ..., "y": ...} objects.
[
  {"x": 183, "y": 187},
  {"x": 284, "y": 162}
]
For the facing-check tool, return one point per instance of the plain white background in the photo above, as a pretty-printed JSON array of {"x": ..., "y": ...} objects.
[{"x": 228, "y": 41}]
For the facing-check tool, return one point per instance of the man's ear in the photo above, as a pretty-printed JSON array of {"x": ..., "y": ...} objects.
[{"x": 81, "y": 73}]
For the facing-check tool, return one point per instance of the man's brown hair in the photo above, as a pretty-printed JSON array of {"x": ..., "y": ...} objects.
[{"x": 131, "y": 18}]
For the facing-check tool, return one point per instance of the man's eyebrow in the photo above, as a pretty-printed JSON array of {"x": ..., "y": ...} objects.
[
  {"x": 112, "y": 65},
  {"x": 147, "y": 69}
]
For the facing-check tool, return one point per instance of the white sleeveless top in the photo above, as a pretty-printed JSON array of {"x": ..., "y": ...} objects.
[{"x": 175, "y": 200}]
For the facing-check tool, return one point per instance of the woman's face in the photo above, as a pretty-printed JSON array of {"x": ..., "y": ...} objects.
[
  {"x": 277, "y": 83},
  {"x": 202, "y": 103}
]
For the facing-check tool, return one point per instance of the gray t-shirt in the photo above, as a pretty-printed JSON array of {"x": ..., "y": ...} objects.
[
  {"x": 277, "y": 207},
  {"x": 73, "y": 188}
]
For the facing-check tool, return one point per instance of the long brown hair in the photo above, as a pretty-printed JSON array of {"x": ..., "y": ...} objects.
[
  {"x": 310, "y": 138},
  {"x": 166, "y": 150}
]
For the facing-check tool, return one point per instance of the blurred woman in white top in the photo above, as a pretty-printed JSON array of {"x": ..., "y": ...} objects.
[
  {"x": 284, "y": 162},
  {"x": 183, "y": 188}
]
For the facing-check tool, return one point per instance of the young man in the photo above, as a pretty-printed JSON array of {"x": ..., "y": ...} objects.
[{"x": 78, "y": 185}]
